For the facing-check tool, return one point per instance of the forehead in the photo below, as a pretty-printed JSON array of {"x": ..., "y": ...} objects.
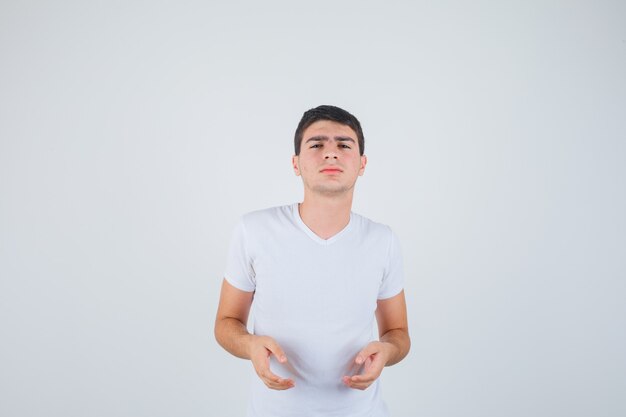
[{"x": 328, "y": 128}]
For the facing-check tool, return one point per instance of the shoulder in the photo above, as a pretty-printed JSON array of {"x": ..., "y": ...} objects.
[
  {"x": 263, "y": 221},
  {"x": 371, "y": 229},
  {"x": 266, "y": 215}
]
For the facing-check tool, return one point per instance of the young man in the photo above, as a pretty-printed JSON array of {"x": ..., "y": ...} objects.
[{"x": 318, "y": 275}]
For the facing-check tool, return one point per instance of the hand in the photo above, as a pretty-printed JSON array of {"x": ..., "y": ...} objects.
[
  {"x": 373, "y": 357},
  {"x": 261, "y": 347}
]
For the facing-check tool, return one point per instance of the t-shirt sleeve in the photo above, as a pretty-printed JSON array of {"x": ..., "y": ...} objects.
[
  {"x": 239, "y": 270},
  {"x": 393, "y": 278}
]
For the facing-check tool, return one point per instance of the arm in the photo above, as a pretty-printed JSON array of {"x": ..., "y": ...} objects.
[
  {"x": 231, "y": 333},
  {"x": 393, "y": 326},
  {"x": 393, "y": 346}
]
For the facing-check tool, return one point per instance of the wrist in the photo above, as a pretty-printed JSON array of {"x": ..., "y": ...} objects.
[
  {"x": 248, "y": 342},
  {"x": 391, "y": 351}
]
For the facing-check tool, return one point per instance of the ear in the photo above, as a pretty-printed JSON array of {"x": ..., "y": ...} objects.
[
  {"x": 363, "y": 163},
  {"x": 294, "y": 164}
]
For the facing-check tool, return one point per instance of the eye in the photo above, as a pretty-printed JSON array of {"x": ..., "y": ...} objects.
[
  {"x": 317, "y": 145},
  {"x": 345, "y": 146}
]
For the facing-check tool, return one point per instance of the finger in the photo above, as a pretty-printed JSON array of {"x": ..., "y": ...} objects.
[
  {"x": 275, "y": 382},
  {"x": 271, "y": 379},
  {"x": 356, "y": 384},
  {"x": 280, "y": 384},
  {"x": 365, "y": 378},
  {"x": 361, "y": 387},
  {"x": 269, "y": 376}
]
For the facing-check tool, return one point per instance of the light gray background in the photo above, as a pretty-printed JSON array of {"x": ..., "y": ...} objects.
[{"x": 134, "y": 134}]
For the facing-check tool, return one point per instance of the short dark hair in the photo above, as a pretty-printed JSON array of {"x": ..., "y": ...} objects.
[{"x": 332, "y": 113}]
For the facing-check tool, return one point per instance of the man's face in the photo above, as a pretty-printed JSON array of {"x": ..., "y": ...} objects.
[{"x": 329, "y": 160}]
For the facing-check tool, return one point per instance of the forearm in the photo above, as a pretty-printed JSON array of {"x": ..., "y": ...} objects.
[
  {"x": 401, "y": 343},
  {"x": 233, "y": 336}
]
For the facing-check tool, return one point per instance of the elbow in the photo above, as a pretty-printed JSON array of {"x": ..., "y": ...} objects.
[
  {"x": 217, "y": 330},
  {"x": 405, "y": 343},
  {"x": 408, "y": 345}
]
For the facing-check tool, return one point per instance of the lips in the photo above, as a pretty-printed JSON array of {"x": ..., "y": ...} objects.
[{"x": 333, "y": 169}]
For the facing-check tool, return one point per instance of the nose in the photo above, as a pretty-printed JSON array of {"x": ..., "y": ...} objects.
[{"x": 330, "y": 154}]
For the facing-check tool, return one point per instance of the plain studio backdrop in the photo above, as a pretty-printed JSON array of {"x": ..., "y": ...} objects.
[{"x": 134, "y": 134}]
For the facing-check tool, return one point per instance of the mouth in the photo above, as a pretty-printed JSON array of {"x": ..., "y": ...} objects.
[{"x": 331, "y": 170}]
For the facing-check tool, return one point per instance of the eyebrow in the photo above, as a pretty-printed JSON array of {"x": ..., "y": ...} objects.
[{"x": 325, "y": 139}]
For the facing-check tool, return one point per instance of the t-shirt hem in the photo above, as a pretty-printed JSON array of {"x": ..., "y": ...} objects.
[
  {"x": 238, "y": 285},
  {"x": 389, "y": 294}
]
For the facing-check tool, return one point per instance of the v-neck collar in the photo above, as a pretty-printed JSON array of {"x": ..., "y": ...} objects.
[{"x": 312, "y": 235}]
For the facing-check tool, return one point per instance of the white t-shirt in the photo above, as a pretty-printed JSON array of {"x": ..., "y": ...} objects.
[{"x": 317, "y": 299}]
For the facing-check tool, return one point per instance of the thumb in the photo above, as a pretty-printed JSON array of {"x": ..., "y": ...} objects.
[
  {"x": 366, "y": 352},
  {"x": 276, "y": 350}
]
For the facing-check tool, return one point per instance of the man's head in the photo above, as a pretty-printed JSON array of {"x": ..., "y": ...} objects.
[
  {"x": 329, "y": 151},
  {"x": 331, "y": 113}
]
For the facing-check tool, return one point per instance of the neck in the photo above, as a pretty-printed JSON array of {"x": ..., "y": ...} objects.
[{"x": 326, "y": 215}]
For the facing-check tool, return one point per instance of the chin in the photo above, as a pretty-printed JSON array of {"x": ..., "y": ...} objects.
[{"x": 339, "y": 189}]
